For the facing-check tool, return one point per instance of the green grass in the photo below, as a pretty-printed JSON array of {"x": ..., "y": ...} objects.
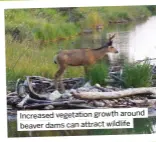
[
  {"x": 97, "y": 73},
  {"x": 137, "y": 75},
  {"x": 53, "y": 31},
  {"x": 34, "y": 61},
  {"x": 39, "y": 24}
]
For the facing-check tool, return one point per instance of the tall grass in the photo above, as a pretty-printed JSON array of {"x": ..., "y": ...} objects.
[
  {"x": 40, "y": 24},
  {"x": 34, "y": 61},
  {"x": 137, "y": 75},
  {"x": 97, "y": 73},
  {"x": 55, "y": 31}
]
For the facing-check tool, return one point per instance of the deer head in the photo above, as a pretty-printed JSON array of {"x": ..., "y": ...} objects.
[{"x": 109, "y": 46}]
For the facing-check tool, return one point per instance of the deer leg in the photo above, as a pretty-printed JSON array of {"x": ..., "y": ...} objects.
[
  {"x": 58, "y": 76},
  {"x": 55, "y": 80},
  {"x": 61, "y": 78},
  {"x": 61, "y": 84}
]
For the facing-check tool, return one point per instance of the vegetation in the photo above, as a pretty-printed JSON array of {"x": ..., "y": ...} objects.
[
  {"x": 152, "y": 9},
  {"x": 137, "y": 75},
  {"x": 98, "y": 73},
  {"x": 62, "y": 23},
  {"x": 22, "y": 60},
  {"x": 41, "y": 29}
]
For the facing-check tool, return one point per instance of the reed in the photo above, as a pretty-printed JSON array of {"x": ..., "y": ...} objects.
[{"x": 24, "y": 61}]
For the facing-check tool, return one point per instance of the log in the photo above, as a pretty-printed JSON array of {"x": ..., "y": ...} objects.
[{"x": 114, "y": 94}]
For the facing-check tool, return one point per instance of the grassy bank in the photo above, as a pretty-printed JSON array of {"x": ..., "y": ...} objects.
[
  {"x": 55, "y": 24},
  {"x": 39, "y": 26}
]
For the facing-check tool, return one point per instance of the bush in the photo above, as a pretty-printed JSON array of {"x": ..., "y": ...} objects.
[
  {"x": 92, "y": 20},
  {"x": 123, "y": 15},
  {"x": 97, "y": 74},
  {"x": 137, "y": 75}
]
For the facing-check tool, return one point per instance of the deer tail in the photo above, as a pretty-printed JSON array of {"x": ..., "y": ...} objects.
[{"x": 55, "y": 59}]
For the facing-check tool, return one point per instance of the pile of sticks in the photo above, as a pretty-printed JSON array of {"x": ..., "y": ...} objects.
[{"x": 37, "y": 92}]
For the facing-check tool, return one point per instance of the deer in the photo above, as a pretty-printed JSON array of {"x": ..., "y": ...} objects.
[{"x": 80, "y": 57}]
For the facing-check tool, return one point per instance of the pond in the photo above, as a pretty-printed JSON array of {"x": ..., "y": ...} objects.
[{"x": 135, "y": 41}]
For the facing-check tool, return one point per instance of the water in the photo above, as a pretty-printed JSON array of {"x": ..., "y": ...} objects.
[
  {"x": 141, "y": 41},
  {"x": 135, "y": 41}
]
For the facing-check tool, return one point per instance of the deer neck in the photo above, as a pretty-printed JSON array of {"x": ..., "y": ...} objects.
[{"x": 100, "y": 53}]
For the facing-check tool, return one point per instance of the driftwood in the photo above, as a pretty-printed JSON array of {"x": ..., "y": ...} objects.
[{"x": 114, "y": 94}]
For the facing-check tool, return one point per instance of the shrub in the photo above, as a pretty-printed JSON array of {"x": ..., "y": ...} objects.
[
  {"x": 137, "y": 75},
  {"x": 97, "y": 74},
  {"x": 92, "y": 20}
]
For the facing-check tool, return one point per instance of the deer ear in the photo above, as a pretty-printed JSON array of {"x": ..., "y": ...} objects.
[{"x": 111, "y": 37}]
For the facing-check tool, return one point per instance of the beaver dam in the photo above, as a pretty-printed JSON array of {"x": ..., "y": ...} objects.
[{"x": 36, "y": 92}]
